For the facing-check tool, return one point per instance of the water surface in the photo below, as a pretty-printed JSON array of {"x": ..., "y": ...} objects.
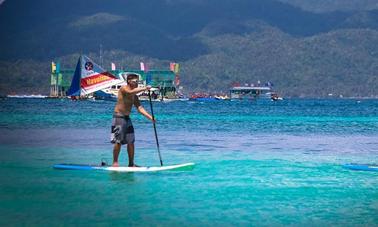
[{"x": 257, "y": 163}]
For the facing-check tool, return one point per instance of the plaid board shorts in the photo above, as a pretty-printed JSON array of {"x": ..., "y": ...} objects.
[{"x": 122, "y": 130}]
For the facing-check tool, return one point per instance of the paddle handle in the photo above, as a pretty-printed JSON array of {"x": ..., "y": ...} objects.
[{"x": 153, "y": 122}]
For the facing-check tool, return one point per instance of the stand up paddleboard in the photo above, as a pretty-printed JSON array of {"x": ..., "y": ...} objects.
[
  {"x": 362, "y": 167},
  {"x": 73, "y": 91},
  {"x": 180, "y": 167}
]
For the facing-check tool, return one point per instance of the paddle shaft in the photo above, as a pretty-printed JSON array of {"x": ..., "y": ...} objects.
[{"x": 153, "y": 121}]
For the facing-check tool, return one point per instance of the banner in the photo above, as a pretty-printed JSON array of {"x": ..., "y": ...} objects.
[
  {"x": 53, "y": 67},
  {"x": 172, "y": 66},
  {"x": 142, "y": 66},
  {"x": 176, "y": 68},
  {"x": 113, "y": 66},
  {"x": 57, "y": 67}
]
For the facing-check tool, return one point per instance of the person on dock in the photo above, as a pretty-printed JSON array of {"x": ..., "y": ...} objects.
[{"x": 122, "y": 130}]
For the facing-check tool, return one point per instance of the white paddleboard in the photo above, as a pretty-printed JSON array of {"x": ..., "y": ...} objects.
[{"x": 180, "y": 167}]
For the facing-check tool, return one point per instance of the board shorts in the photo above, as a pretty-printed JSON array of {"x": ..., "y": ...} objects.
[{"x": 122, "y": 130}]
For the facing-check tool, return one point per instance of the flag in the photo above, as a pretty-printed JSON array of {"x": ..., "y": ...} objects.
[
  {"x": 113, "y": 66},
  {"x": 142, "y": 66},
  {"x": 176, "y": 68},
  {"x": 53, "y": 67},
  {"x": 58, "y": 67},
  {"x": 172, "y": 66}
]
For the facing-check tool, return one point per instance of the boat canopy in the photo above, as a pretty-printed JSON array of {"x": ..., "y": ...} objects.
[{"x": 250, "y": 89}]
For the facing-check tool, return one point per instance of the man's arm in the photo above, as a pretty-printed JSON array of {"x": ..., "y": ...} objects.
[
  {"x": 141, "y": 109},
  {"x": 134, "y": 91},
  {"x": 145, "y": 113}
]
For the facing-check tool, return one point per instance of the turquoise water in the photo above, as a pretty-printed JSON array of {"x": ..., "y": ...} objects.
[{"x": 257, "y": 163}]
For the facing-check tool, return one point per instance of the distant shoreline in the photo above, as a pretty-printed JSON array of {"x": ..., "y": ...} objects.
[{"x": 23, "y": 95}]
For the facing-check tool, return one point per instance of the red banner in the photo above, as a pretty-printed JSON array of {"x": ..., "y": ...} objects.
[{"x": 96, "y": 79}]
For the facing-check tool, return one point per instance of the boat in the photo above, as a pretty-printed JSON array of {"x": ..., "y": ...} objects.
[
  {"x": 111, "y": 93},
  {"x": 27, "y": 96},
  {"x": 102, "y": 95},
  {"x": 183, "y": 99},
  {"x": 274, "y": 96},
  {"x": 253, "y": 92},
  {"x": 89, "y": 78},
  {"x": 361, "y": 167},
  {"x": 204, "y": 99}
]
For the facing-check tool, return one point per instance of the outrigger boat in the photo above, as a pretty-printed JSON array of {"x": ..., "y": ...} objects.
[
  {"x": 92, "y": 81},
  {"x": 253, "y": 92},
  {"x": 90, "y": 78}
]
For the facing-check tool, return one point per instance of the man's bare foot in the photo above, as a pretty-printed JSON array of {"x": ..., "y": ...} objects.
[
  {"x": 134, "y": 165},
  {"x": 115, "y": 164}
]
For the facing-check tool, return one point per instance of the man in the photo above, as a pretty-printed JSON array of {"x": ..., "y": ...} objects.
[{"x": 122, "y": 128}]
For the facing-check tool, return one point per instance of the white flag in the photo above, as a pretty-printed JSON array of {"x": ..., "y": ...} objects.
[{"x": 113, "y": 66}]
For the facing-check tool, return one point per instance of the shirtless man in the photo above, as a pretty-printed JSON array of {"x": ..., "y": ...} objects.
[{"x": 122, "y": 128}]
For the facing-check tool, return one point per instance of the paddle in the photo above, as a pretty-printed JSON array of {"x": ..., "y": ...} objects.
[{"x": 153, "y": 118}]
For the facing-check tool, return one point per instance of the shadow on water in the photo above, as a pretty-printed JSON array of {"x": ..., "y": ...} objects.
[{"x": 122, "y": 177}]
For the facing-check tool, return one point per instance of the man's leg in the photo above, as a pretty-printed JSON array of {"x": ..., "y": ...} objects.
[
  {"x": 116, "y": 150},
  {"x": 130, "y": 151}
]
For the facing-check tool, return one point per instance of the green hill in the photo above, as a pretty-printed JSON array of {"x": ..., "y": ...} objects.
[{"x": 216, "y": 43}]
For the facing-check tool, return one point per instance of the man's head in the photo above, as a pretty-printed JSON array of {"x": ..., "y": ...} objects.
[{"x": 132, "y": 79}]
